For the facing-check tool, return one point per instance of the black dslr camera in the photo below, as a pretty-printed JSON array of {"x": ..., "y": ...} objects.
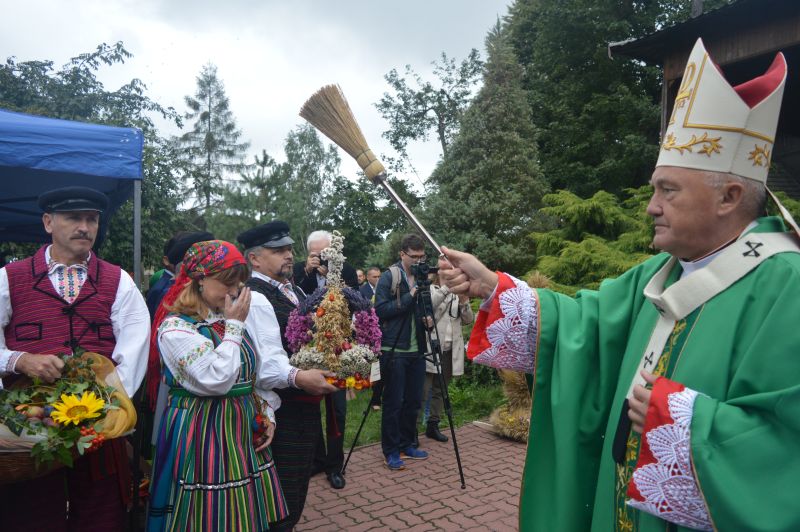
[{"x": 421, "y": 270}]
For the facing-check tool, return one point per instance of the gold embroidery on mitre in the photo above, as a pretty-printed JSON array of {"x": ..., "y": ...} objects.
[
  {"x": 760, "y": 156},
  {"x": 705, "y": 143},
  {"x": 684, "y": 92}
]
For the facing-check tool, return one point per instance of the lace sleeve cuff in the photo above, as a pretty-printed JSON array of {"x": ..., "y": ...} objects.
[
  {"x": 290, "y": 378},
  {"x": 506, "y": 332},
  {"x": 234, "y": 329},
  {"x": 663, "y": 483},
  {"x": 9, "y": 365}
]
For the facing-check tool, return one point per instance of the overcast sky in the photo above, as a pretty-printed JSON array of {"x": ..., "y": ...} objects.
[{"x": 271, "y": 55}]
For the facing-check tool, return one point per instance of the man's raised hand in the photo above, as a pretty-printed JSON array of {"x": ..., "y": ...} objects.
[{"x": 464, "y": 274}]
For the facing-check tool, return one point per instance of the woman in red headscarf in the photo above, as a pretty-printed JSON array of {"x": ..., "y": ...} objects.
[{"x": 213, "y": 468}]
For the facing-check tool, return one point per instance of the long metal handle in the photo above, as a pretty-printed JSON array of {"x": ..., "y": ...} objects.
[{"x": 380, "y": 179}]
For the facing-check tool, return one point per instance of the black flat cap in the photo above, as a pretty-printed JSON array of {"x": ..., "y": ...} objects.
[
  {"x": 182, "y": 242},
  {"x": 274, "y": 234},
  {"x": 73, "y": 199}
]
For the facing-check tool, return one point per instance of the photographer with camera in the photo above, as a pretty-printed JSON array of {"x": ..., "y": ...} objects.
[
  {"x": 451, "y": 312},
  {"x": 311, "y": 274},
  {"x": 403, "y": 346}
]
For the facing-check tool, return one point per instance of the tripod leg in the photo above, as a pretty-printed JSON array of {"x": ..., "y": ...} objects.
[
  {"x": 358, "y": 433},
  {"x": 449, "y": 411}
]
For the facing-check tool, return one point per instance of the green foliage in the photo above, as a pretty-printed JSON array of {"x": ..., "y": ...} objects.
[
  {"x": 212, "y": 148},
  {"x": 73, "y": 92},
  {"x": 792, "y": 205},
  {"x": 247, "y": 202},
  {"x": 420, "y": 106},
  {"x": 162, "y": 194},
  {"x": 597, "y": 118},
  {"x": 489, "y": 184},
  {"x": 57, "y": 440},
  {"x": 593, "y": 239}
]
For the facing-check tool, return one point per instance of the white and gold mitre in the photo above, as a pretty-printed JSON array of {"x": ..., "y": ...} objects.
[{"x": 721, "y": 128}]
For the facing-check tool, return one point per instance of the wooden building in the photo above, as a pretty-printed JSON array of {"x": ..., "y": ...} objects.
[{"x": 742, "y": 38}]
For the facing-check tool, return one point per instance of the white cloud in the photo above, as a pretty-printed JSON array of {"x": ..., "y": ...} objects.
[{"x": 271, "y": 55}]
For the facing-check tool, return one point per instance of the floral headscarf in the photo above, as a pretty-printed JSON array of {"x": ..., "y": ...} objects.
[{"x": 201, "y": 260}]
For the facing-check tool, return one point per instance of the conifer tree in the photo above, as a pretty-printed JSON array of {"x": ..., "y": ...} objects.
[
  {"x": 212, "y": 148},
  {"x": 489, "y": 184}
]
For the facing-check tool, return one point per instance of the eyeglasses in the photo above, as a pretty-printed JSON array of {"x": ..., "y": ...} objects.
[{"x": 415, "y": 257}]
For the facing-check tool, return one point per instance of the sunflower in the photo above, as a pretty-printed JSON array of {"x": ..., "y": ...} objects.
[{"x": 74, "y": 410}]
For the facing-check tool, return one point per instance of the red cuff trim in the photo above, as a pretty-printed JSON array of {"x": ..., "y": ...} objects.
[
  {"x": 657, "y": 415},
  {"x": 478, "y": 341}
]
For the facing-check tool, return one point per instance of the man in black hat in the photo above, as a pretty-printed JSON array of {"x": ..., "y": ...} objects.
[
  {"x": 174, "y": 250},
  {"x": 268, "y": 249},
  {"x": 62, "y": 298}
]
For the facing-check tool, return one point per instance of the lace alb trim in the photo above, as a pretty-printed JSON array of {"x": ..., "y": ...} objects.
[
  {"x": 668, "y": 486},
  {"x": 513, "y": 337}
]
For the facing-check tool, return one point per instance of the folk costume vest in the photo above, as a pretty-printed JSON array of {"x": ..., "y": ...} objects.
[
  {"x": 283, "y": 307},
  {"x": 43, "y": 322}
]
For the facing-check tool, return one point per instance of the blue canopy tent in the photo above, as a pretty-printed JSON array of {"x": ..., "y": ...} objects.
[{"x": 39, "y": 154}]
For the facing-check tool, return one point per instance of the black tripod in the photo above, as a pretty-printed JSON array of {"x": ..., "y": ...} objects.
[{"x": 426, "y": 305}]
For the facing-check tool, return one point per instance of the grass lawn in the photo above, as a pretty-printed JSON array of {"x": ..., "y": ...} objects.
[{"x": 470, "y": 401}]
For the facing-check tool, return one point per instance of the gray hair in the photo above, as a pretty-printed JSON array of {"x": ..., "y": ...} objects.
[
  {"x": 754, "y": 198},
  {"x": 254, "y": 250},
  {"x": 318, "y": 235}
]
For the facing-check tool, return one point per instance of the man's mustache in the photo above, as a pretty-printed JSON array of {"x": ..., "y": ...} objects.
[{"x": 81, "y": 237}]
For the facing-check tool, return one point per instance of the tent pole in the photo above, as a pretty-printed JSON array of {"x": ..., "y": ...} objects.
[
  {"x": 134, "y": 518},
  {"x": 137, "y": 233}
]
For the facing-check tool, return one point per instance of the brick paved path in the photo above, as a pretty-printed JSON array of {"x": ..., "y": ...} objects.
[{"x": 428, "y": 494}]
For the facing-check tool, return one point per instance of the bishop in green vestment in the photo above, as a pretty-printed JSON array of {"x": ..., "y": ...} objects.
[{"x": 669, "y": 399}]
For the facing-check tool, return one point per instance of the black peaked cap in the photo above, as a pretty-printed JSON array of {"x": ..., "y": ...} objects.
[{"x": 68, "y": 199}]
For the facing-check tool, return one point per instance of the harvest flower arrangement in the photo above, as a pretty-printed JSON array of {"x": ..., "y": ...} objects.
[
  {"x": 336, "y": 328},
  {"x": 51, "y": 423}
]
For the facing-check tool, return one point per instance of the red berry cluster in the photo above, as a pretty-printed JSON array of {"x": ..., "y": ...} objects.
[{"x": 98, "y": 440}]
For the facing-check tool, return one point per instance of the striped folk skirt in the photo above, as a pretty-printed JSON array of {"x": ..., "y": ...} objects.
[{"x": 207, "y": 474}]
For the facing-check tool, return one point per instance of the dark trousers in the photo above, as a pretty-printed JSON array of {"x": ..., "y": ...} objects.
[
  {"x": 298, "y": 426},
  {"x": 403, "y": 377},
  {"x": 331, "y": 459},
  {"x": 377, "y": 391},
  {"x": 95, "y": 504},
  {"x": 432, "y": 387}
]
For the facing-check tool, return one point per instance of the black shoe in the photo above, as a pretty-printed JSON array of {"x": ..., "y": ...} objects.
[
  {"x": 433, "y": 433},
  {"x": 336, "y": 480}
]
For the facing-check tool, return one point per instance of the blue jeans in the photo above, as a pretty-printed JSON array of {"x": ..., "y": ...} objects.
[{"x": 403, "y": 377}]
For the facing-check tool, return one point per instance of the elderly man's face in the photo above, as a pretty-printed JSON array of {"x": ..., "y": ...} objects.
[
  {"x": 685, "y": 212},
  {"x": 73, "y": 232}
]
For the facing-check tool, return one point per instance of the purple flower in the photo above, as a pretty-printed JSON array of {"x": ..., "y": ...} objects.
[
  {"x": 297, "y": 330},
  {"x": 368, "y": 332}
]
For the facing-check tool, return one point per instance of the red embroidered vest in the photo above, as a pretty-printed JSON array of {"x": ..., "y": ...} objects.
[{"x": 42, "y": 322}]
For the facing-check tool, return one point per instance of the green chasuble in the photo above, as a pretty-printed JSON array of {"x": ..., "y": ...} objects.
[{"x": 740, "y": 351}]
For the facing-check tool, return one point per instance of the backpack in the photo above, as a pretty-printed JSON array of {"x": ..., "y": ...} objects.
[{"x": 396, "y": 278}]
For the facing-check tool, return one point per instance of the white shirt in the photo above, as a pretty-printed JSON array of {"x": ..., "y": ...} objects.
[
  {"x": 201, "y": 368},
  {"x": 262, "y": 324},
  {"x": 130, "y": 323}
]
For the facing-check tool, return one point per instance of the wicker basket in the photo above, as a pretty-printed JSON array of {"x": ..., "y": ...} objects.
[
  {"x": 16, "y": 462},
  {"x": 19, "y": 466}
]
